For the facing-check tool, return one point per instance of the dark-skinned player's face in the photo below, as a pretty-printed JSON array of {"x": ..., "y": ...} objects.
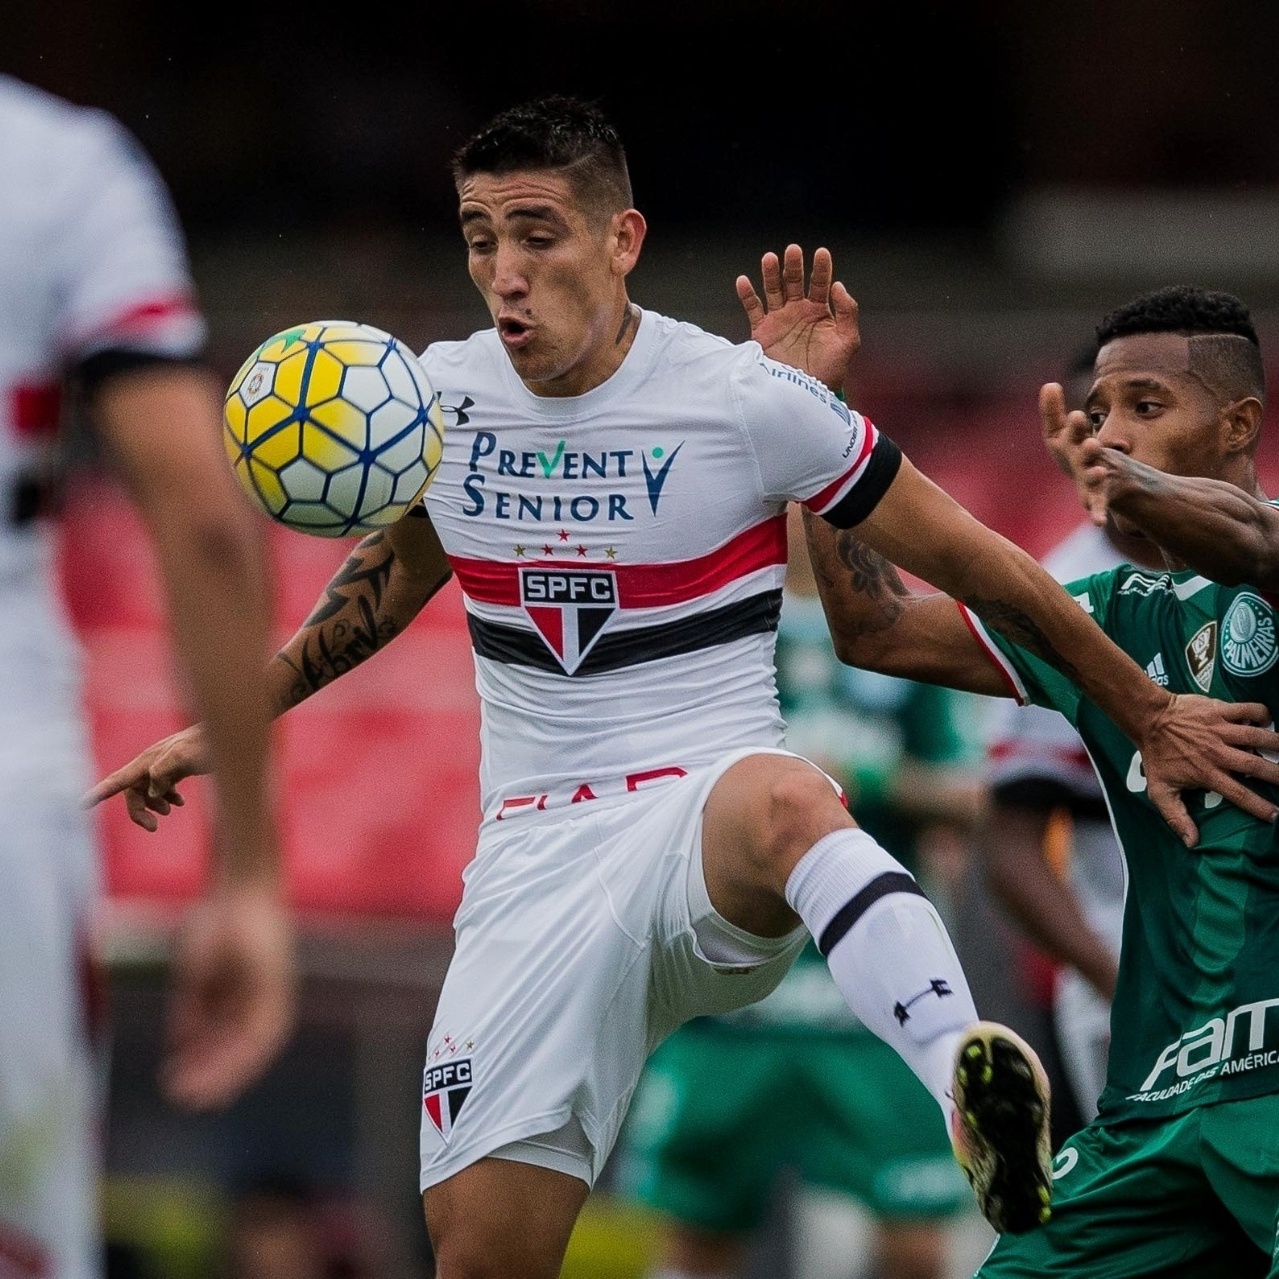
[
  {"x": 1147, "y": 402},
  {"x": 550, "y": 272}
]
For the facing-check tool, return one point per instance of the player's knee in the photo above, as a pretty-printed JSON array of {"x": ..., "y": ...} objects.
[{"x": 800, "y": 807}]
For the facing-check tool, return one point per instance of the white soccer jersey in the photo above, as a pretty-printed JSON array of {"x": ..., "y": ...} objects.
[
  {"x": 91, "y": 259},
  {"x": 621, "y": 553}
]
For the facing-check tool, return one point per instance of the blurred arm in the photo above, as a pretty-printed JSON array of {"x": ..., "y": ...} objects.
[{"x": 1012, "y": 842}]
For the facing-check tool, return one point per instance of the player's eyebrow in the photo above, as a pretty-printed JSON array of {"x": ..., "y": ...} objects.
[{"x": 1129, "y": 384}]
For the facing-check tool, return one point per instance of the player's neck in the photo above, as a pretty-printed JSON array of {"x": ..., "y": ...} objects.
[{"x": 617, "y": 336}]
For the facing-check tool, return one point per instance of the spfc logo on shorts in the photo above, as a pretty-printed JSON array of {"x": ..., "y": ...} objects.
[
  {"x": 569, "y": 607},
  {"x": 445, "y": 1089}
]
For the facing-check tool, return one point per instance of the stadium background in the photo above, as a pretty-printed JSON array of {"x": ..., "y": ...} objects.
[{"x": 990, "y": 177}]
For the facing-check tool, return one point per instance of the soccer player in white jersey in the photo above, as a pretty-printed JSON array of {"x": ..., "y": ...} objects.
[
  {"x": 94, "y": 287},
  {"x": 1044, "y": 800},
  {"x": 612, "y": 500}
]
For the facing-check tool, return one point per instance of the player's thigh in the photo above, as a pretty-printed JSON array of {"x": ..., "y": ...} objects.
[
  {"x": 500, "y": 1217},
  {"x": 709, "y": 1127},
  {"x": 872, "y": 1131},
  {"x": 1130, "y": 1201},
  {"x": 1241, "y": 1160}
]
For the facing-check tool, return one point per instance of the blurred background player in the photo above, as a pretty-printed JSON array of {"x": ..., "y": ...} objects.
[
  {"x": 795, "y": 1084},
  {"x": 1048, "y": 848},
  {"x": 95, "y": 291}
]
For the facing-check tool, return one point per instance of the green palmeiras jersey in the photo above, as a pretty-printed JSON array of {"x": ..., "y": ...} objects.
[{"x": 1195, "y": 1017}]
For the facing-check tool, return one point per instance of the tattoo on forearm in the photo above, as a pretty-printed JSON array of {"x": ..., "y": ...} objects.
[
  {"x": 348, "y": 625},
  {"x": 871, "y": 575},
  {"x": 1017, "y": 625}
]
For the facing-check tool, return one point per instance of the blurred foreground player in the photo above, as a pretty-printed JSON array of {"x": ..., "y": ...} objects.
[
  {"x": 94, "y": 287},
  {"x": 796, "y": 1084},
  {"x": 1179, "y": 1173},
  {"x": 612, "y": 498}
]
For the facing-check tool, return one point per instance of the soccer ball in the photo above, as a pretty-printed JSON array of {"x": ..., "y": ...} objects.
[{"x": 333, "y": 428}]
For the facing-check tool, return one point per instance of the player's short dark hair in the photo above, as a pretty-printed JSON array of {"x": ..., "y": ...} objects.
[
  {"x": 559, "y": 133},
  {"x": 1224, "y": 349}
]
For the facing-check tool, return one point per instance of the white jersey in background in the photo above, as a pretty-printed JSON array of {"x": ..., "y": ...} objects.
[
  {"x": 92, "y": 264},
  {"x": 622, "y": 552},
  {"x": 1036, "y": 757}
]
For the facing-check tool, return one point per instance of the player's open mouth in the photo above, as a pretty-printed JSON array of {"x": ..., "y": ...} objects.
[{"x": 514, "y": 333}]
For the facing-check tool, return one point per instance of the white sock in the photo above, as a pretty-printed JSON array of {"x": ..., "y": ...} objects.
[{"x": 888, "y": 952}]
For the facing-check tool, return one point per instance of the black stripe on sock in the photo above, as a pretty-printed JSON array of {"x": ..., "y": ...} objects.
[{"x": 853, "y": 909}]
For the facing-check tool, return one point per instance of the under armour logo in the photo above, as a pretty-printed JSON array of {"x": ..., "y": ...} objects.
[
  {"x": 938, "y": 986},
  {"x": 460, "y": 416}
]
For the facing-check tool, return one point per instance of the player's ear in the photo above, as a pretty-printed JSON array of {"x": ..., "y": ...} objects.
[
  {"x": 628, "y": 231},
  {"x": 1242, "y": 421}
]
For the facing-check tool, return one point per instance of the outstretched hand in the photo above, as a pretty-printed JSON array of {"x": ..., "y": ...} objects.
[
  {"x": 150, "y": 780},
  {"x": 1069, "y": 440},
  {"x": 1200, "y": 743},
  {"x": 814, "y": 330}
]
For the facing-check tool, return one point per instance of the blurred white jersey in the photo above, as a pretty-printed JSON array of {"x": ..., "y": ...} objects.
[
  {"x": 1034, "y": 745},
  {"x": 91, "y": 262},
  {"x": 621, "y": 553}
]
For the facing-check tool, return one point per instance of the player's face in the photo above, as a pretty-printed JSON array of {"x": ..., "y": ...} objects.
[
  {"x": 552, "y": 275},
  {"x": 1146, "y": 402}
]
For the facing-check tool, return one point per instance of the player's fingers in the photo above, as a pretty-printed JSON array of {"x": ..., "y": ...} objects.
[
  {"x": 1257, "y": 713},
  {"x": 846, "y": 312},
  {"x": 1173, "y": 810},
  {"x": 1235, "y": 792},
  {"x": 793, "y": 273},
  {"x": 820, "y": 277},
  {"x": 749, "y": 299},
  {"x": 770, "y": 270},
  {"x": 114, "y": 783},
  {"x": 1052, "y": 407},
  {"x": 136, "y": 804}
]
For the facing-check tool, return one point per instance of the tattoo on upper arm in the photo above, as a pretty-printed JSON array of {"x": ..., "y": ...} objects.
[
  {"x": 1017, "y": 625},
  {"x": 872, "y": 576}
]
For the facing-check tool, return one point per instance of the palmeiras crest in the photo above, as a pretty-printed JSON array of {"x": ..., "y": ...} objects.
[{"x": 570, "y": 608}]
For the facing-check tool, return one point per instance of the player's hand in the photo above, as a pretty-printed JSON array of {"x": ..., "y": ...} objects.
[
  {"x": 149, "y": 780},
  {"x": 1066, "y": 437},
  {"x": 814, "y": 330},
  {"x": 231, "y": 1002},
  {"x": 1200, "y": 743}
]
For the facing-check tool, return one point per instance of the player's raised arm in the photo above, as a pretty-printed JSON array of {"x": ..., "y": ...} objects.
[
  {"x": 383, "y": 585},
  {"x": 1186, "y": 742}
]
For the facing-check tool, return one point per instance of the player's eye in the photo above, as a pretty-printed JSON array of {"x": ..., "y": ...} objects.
[
  {"x": 1096, "y": 418},
  {"x": 1147, "y": 407},
  {"x": 479, "y": 244},
  {"x": 539, "y": 241}
]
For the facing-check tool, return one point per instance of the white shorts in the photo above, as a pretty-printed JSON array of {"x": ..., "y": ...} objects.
[
  {"x": 581, "y": 944},
  {"x": 1082, "y": 1020},
  {"x": 49, "y": 1075}
]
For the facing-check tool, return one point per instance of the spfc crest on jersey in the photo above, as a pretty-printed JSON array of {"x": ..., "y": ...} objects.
[
  {"x": 445, "y": 1088},
  {"x": 1201, "y": 654},
  {"x": 570, "y": 608}
]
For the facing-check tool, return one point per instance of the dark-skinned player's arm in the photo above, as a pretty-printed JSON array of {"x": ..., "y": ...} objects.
[
  {"x": 383, "y": 585},
  {"x": 1213, "y": 527},
  {"x": 1187, "y": 742}
]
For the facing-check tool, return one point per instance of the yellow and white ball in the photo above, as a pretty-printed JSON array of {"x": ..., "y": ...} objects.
[{"x": 333, "y": 428}]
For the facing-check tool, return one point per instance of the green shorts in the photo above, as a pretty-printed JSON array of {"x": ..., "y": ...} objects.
[
  {"x": 1195, "y": 1196},
  {"x": 720, "y": 1113}
]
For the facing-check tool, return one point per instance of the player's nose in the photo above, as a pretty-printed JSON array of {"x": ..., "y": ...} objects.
[
  {"x": 509, "y": 281},
  {"x": 1112, "y": 435}
]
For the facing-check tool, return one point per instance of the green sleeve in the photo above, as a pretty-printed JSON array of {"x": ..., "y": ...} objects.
[{"x": 1034, "y": 679}]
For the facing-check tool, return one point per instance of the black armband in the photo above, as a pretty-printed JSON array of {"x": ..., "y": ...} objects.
[
  {"x": 881, "y": 470},
  {"x": 92, "y": 372}
]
